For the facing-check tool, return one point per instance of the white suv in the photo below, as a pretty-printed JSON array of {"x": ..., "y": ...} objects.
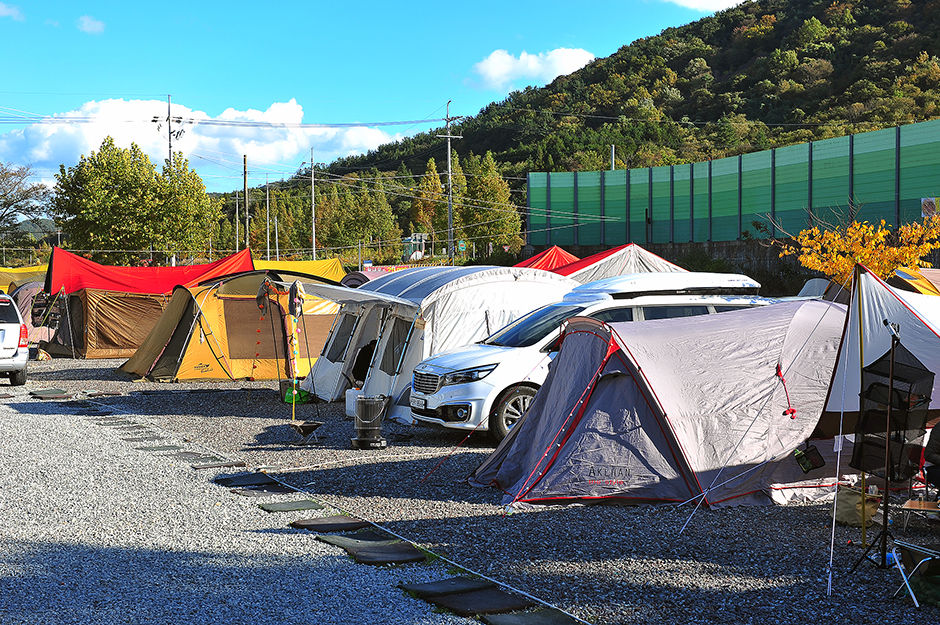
[
  {"x": 14, "y": 342},
  {"x": 489, "y": 385}
]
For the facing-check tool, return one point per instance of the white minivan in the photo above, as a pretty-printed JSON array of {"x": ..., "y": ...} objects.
[
  {"x": 14, "y": 343},
  {"x": 489, "y": 385}
]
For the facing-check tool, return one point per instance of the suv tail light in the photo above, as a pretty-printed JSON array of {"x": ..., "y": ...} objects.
[{"x": 24, "y": 336}]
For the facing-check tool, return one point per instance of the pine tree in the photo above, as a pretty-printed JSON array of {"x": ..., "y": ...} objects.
[
  {"x": 490, "y": 218},
  {"x": 428, "y": 202}
]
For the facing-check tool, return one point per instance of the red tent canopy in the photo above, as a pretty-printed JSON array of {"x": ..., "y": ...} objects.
[
  {"x": 70, "y": 272},
  {"x": 549, "y": 260}
]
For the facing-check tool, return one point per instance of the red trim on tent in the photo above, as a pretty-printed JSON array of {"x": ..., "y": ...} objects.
[
  {"x": 69, "y": 272},
  {"x": 549, "y": 260},
  {"x": 569, "y": 424}
]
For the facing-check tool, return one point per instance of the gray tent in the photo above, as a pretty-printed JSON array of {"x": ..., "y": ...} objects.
[
  {"x": 673, "y": 410},
  {"x": 39, "y": 322}
]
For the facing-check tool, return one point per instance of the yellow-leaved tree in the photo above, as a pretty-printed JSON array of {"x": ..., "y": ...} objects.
[{"x": 834, "y": 251}]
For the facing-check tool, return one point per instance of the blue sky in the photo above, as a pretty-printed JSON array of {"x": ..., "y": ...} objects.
[{"x": 340, "y": 78}]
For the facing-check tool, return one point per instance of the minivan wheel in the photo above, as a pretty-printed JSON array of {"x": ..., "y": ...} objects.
[
  {"x": 18, "y": 378},
  {"x": 512, "y": 405}
]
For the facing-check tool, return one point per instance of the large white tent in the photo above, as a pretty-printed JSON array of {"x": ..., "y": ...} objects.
[
  {"x": 397, "y": 320},
  {"x": 709, "y": 407}
]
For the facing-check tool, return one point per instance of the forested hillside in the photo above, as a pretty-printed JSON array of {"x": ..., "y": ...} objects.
[
  {"x": 763, "y": 74},
  {"x": 758, "y": 75}
]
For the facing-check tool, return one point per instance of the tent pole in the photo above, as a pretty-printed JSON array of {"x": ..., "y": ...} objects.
[
  {"x": 888, "y": 466},
  {"x": 861, "y": 365}
]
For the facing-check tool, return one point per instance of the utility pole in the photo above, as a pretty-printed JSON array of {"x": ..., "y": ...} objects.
[
  {"x": 267, "y": 212},
  {"x": 236, "y": 221},
  {"x": 450, "y": 185},
  {"x": 245, "y": 179},
  {"x": 313, "y": 211},
  {"x": 169, "y": 129}
]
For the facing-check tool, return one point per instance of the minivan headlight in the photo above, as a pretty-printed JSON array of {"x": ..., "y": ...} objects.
[{"x": 467, "y": 375}]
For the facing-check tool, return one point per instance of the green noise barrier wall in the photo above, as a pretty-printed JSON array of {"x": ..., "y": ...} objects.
[{"x": 867, "y": 177}]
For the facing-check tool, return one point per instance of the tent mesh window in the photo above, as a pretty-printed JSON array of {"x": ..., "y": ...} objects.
[
  {"x": 341, "y": 337},
  {"x": 391, "y": 357},
  {"x": 910, "y": 388}
]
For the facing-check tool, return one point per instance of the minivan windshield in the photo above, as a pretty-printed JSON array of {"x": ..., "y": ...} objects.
[{"x": 532, "y": 328}]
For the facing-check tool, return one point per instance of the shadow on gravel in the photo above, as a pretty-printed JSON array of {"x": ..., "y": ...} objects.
[
  {"x": 67, "y": 583},
  {"x": 337, "y": 434},
  {"x": 60, "y": 370}
]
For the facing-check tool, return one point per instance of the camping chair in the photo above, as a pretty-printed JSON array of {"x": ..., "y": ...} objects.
[
  {"x": 918, "y": 481},
  {"x": 920, "y": 477},
  {"x": 924, "y": 566}
]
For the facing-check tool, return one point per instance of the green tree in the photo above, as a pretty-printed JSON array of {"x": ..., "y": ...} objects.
[
  {"x": 19, "y": 199},
  {"x": 490, "y": 219},
  {"x": 428, "y": 202},
  {"x": 114, "y": 204}
]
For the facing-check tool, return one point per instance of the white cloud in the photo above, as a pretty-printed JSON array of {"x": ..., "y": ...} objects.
[
  {"x": 501, "y": 70},
  {"x": 706, "y": 6},
  {"x": 88, "y": 24},
  {"x": 8, "y": 10},
  {"x": 214, "y": 150}
]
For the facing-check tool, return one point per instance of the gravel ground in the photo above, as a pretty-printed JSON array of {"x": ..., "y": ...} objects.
[{"x": 73, "y": 516}]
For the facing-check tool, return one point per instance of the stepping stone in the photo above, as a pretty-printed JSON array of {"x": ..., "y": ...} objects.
[
  {"x": 396, "y": 553},
  {"x": 486, "y": 601},
  {"x": 53, "y": 396},
  {"x": 159, "y": 448},
  {"x": 202, "y": 460},
  {"x": 6, "y": 396},
  {"x": 447, "y": 586},
  {"x": 359, "y": 539},
  {"x": 263, "y": 491},
  {"x": 338, "y": 523},
  {"x": 245, "y": 479},
  {"x": 80, "y": 403},
  {"x": 220, "y": 465},
  {"x": 538, "y": 617},
  {"x": 142, "y": 439},
  {"x": 94, "y": 413},
  {"x": 48, "y": 391},
  {"x": 103, "y": 394},
  {"x": 191, "y": 455},
  {"x": 290, "y": 506},
  {"x": 115, "y": 422},
  {"x": 130, "y": 428}
]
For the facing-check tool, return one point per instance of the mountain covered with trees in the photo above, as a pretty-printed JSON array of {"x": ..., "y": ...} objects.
[{"x": 759, "y": 75}]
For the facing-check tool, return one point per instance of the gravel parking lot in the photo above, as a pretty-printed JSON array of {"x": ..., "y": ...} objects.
[{"x": 602, "y": 564}]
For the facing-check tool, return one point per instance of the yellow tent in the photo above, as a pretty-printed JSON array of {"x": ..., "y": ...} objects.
[
  {"x": 11, "y": 278},
  {"x": 331, "y": 269},
  {"x": 225, "y": 330},
  {"x": 918, "y": 280}
]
